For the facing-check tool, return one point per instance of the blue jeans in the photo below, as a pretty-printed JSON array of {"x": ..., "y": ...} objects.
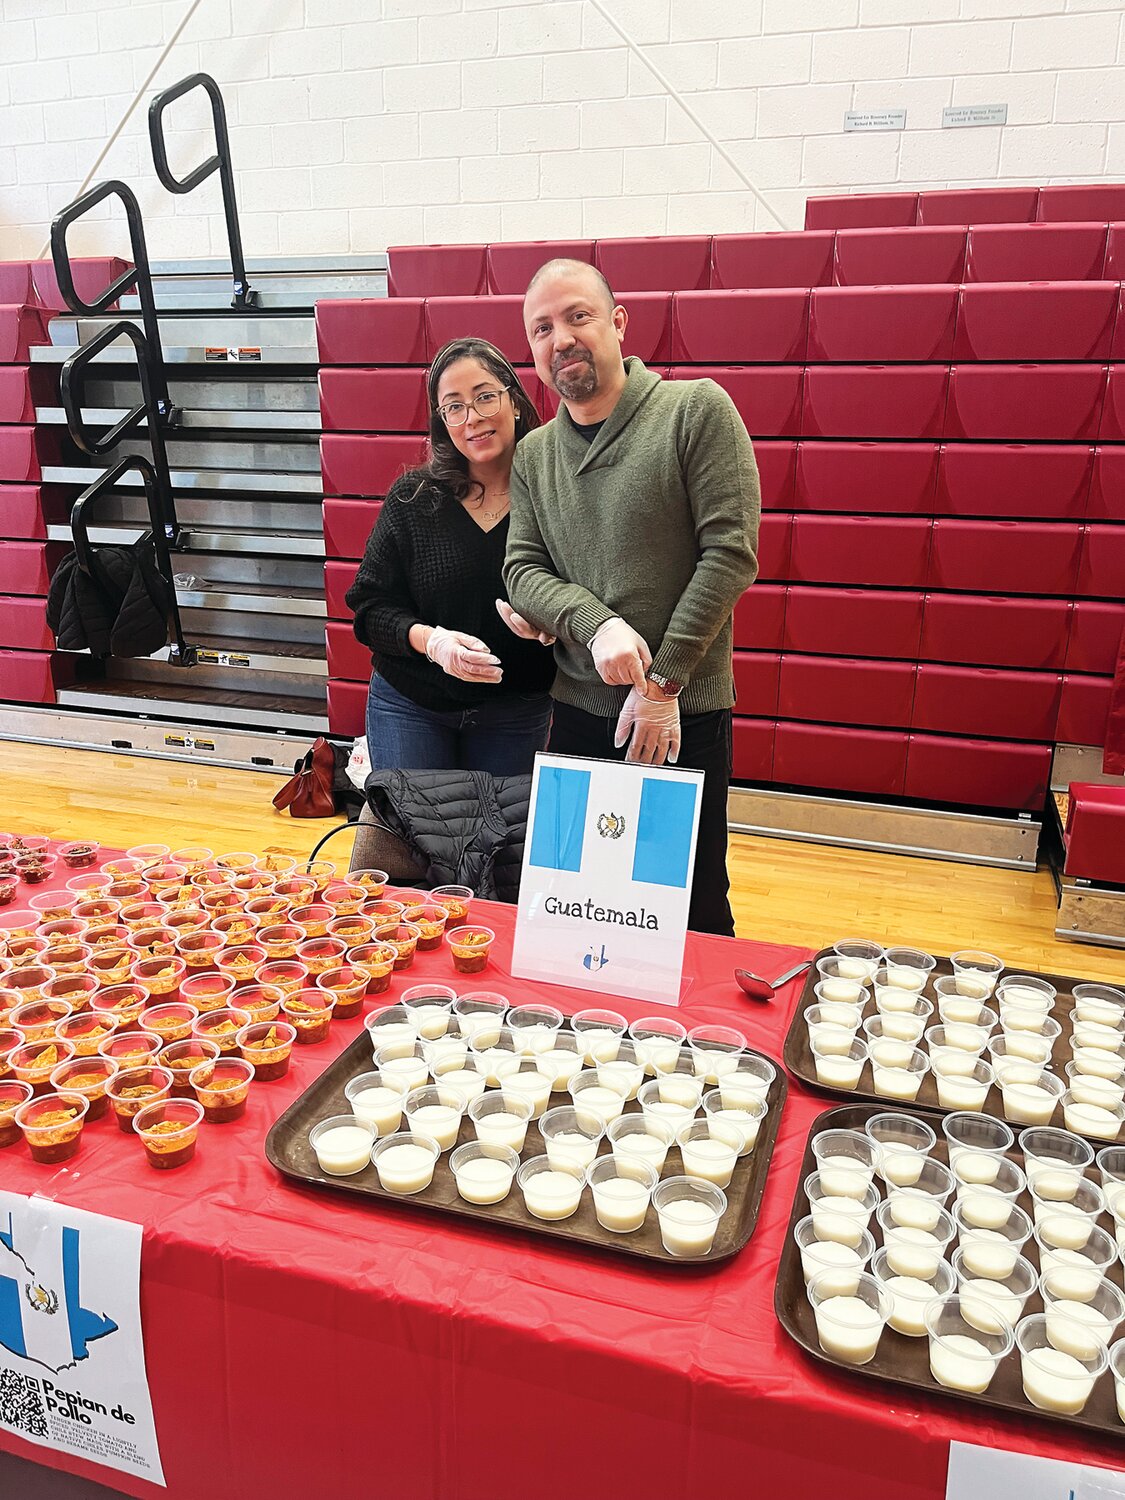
[{"x": 500, "y": 737}]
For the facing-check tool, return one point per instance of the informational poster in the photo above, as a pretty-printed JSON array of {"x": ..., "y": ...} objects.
[
  {"x": 977, "y": 1473},
  {"x": 72, "y": 1359},
  {"x": 607, "y": 871}
]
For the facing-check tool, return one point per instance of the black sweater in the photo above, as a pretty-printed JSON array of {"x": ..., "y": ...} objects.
[{"x": 427, "y": 561}]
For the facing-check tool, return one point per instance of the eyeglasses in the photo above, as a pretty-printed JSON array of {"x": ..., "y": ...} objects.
[{"x": 487, "y": 404}]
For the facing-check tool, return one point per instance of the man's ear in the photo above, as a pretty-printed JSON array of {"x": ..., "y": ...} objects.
[{"x": 620, "y": 322}]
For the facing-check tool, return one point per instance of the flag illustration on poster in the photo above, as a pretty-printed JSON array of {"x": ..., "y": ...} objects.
[
  {"x": 607, "y": 876},
  {"x": 41, "y": 1314}
]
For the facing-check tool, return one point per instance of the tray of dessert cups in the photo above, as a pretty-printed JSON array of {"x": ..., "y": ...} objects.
[
  {"x": 952, "y": 1255},
  {"x": 901, "y": 1027},
  {"x": 643, "y": 1139}
]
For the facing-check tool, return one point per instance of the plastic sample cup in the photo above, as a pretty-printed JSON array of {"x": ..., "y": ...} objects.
[
  {"x": 470, "y": 947},
  {"x": 428, "y": 1008},
  {"x": 1080, "y": 1327},
  {"x": 840, "y": 1070},
  {"x": 377, "y": 1101},
  {"x": 641, "y": 1137},
  {"x": 744, "y": 1114},
  {"x": 992, "y": 1253},
  {"x": 455, "y": 898},
  {"x": 715, "y": 1051},
  {"x": 900, "y": 1023},
  {"x": 1111, "y": 1170},
  {"x": 130, "y": 1089},
  {"x": 849, "y": 1327},
  {"x": 309, "y": 1011},
  {"x": 1056, "y": 1162},
  {"x": 963, "y": 1357},
  {"x": 405, "y": 1162},
  {"x": 207, "y": 991},
  {"x": 171, "y": 1023},
  {"x": 599, "y": 1033},
  {"x": 709, "y": 1149},
  {"x": 991, "y": 1302},
  {"x": 405, "y": 1066},
  {"x": 39, "y": 1019},
  {"x": 551, "y": 1190},
  {"x": 534, "y": 1029},
  {"x": 564, "y": 1061},
  {"x": 604, "y": 1100},
  {"x": 1077, "y": 1274},
  {"x": 845, "y": 1160},
  {"x": 374, "y": 882},
  {"x": 672, "y": 1097},
  {"x": 169, "y": 1131},
  {"x": 1085, "y": 1088},
  {"x": 263, "y": 1001},
  {"x": 750, "y": 1079},
  {"x": 836, "y": 1217},
  {"x": 436, "y": 1112},
  {"x": 621, "y": 1191},
  {"x": 347, "y": 985},
  {"x": 976, "y": 1144},
  {"x": 268, "y": 1046},
  {"x": 845, "y": 1262},
  {"x": 1102, "y": 1121},
  {"x": 1117, "y": 1366},
  {"x": 976, "y": 973},
  {"x": 391, "y": 1028},
  {"x": 623, "y": 1070},
  {"x": 897, "y": 1077},
  {"x": 222, "y": 1086},
  {"x": 484, "y": 1172},
  {"x": 910, "y": 1295},
  {"x": 911, "y": 1251},
  {"x": 1054, "y": 1380},
  {"x": 859, "y": 958},
  {"x": 919, "y": 1205},
  {"x": 222, "y": 1027},
  {"x": 463, "y": 1074},
  {"x": 52, "y": 1126},
  {"x": 908, "y": 968},
  {"x": 987, "y": 1205},
  {"x": 1101, "y": 1003},
  {"x": 834, "y": 984},
  {"x": 832, "y": 1028},
  {"x": 532, "y": 1083},
  {"x": 89, "y": 1077},
  {"x": 12, "y": 1095},
  {"x": 430, "y": 921},
  {"x": 963, "y": 1090},
  {"x": 501, "y": 1118},
  {"x": 342, "y": 1145},
  {"x": 657, "y": 1042},
  {"x": 480, "y": 1014},
  {"x": 34, "y": 1062},
  {"x": 1067, "y": 1226}
]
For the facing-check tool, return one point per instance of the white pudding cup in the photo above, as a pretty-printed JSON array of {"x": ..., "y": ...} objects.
[
  {"x": 500, "y": 1119},
  {"x": 405, "y": 1162},
  {"x": 621, "y": 1191},
  {"x": 551, "y": 1190},
  {"x": 342, "y": 1145},
  {"x": 846, "y": 1262},
  {"x": 483, "y": 1173},
  {"x": 688, "y": 1211},
  {"x": 1052, "y": 1379},
  {"x": 572, "y": 1135},
  {"x": 910, "y": 1295},
  {"x": 962, "y": 1356},
  {"x": 640, "y": 1138},
  {"x": 849, "y": 1328}
]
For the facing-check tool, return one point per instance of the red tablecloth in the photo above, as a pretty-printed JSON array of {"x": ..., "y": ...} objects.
[{"x": 301, "y": 1345}]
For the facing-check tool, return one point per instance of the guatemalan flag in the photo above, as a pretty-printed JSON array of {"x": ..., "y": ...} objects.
[
  {"x": 41, "y": 1313},
  {"x": 607, "y": 876}
]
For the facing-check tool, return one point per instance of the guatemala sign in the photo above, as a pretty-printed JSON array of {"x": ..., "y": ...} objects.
[{"x": 607, "y": 869}]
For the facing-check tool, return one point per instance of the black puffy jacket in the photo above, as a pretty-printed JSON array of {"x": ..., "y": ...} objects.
[{"x": 466, "y": 826}]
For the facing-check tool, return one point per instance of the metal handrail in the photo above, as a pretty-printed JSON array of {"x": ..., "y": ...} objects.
[
  {"x": 181, "y": 653},
  {"x": 243, "y": 298},
  {"x": 138, "y": 275}
]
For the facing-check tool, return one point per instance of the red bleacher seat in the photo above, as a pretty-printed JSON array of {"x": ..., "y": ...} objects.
[
  {"x": 874, "y": 401},
  {"x": 92, "y": 275},
  {"x": 1114, "y": 268},
  {"x": 868, "y": 551},
  {"x": 347, "y": 525},
  {"x": 498, "y": 319},
  {"x": 360, "y": 465},
  {"x": 1057, "y": 320},
  {"x": 347, "y": 658},
  {"x": 752, "y": 749},
  {"x": 661, "y": 263},
  {"x": 1112, "y": 428},
  {"x": 347, "y": 707},
  {"x": 1075, "y": 201},
  {"x": 860, "y": 478},
  {"x": 1095, "y": 635},
  {"x": 840, "y": 759},
  {"x": 768, "y": 397},
  {"x": 1004, "y": 557},
  {"x": 837, "y": 690},
  {"x": 1083, "y": 710},
  {"x": 1060, "y": 403},
  {"x": 992, "y": 631},
  {"x": 884, "y": 323},
  {"x": 20, "y": 453},
  {"x": 854, "y": 622},
  {"x": 338, "y": 579},
  {"x": 1014, "y": 480},
  {"x": 372, "y": 331},
  {"x": 989, "y": 701},
  {"x": 1101, "y": 568},
  {"x": 799, "y": 258},
  {"x": 20, "y": 329},
  {"x": 437, "y": 271},
  {"x": 1095, "y": 833},
  {"x": 384, "y": 400},
  {"x": 776, "y": 462},
  {"x": 860, "y": 210},
  {"x": 16, "y": 404},
  {"x": 1107, "y": 489},
  {"x": 762, "y": 327},
  {"x": 16, "y": 285},
  {"x": 978, "y": 205},
  {"x": 755, "y": 683},
  {"x": 1035, "y": 252},
  {"x": 22, "y": 512},
  {"x": 648, "y": 333},
  {"x": 26, "y": 676},
  {"x": 774, "y": 538},
  {"x": 23, "y": 626},
  {"x": 980, "y": 773},
  {"x": 759, "y": 618},
  {"x": 890, "y": 257},
  {"x": 511, "y": 266}
]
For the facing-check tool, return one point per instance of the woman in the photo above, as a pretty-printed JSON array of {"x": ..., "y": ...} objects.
[{"x": 453, "y": 687}]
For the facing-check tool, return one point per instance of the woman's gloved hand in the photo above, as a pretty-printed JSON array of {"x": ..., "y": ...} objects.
[{"x": 463, "y": 656}]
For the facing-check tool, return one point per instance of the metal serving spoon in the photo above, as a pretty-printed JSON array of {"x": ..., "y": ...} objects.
[{"x": 764, "y": 989}]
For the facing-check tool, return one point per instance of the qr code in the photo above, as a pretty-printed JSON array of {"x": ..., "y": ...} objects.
[{"x": 21, "y": 1404}]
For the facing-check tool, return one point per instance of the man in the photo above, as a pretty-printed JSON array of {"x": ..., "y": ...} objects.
[{"x": 634, "y": 526}]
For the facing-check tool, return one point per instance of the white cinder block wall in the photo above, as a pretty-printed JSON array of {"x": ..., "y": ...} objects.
[{"x": 361, "y": 123}]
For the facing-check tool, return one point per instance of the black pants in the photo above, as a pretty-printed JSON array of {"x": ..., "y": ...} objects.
[{"x": 705, "y": 746}]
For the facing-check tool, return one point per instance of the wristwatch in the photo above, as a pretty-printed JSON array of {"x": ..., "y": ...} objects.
[{"x": 669, "y": 688}]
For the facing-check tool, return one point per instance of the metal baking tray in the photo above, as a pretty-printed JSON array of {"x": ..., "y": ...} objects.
[
  {"x": 903, "y": 1360},
  {"x": 287, "y": 1147}
]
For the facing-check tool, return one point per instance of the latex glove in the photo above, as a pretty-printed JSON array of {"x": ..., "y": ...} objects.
[
  {"x": 463, "y": 656},
  {"x": 654, "y": 724},
  {"x": 621, "y": 656},
  {"x": 521, "y": 627}
]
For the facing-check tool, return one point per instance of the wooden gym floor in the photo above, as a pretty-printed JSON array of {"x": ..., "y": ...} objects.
[{"x": 801, "y": 894}]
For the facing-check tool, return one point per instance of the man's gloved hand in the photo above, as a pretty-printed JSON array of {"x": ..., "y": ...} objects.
[
  {"x": 654, "y": 724},
  {"x": 521, "y": 627},
  {"x": 463, "y": 656},
  {"x": 621, "y": 656}
]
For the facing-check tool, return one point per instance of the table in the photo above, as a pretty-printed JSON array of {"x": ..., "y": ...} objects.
[{"x": 299, "y": 1345}]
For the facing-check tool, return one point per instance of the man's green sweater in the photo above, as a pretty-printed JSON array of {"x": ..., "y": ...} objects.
[{"x": 656, "y": 521}]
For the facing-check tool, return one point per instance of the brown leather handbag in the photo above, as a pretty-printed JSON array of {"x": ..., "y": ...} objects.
[{"x": 308, "y": 792}]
